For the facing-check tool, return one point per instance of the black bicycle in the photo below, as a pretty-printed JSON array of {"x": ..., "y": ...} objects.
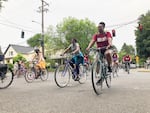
[
  {"x": 64, "y": 72},
  {"x": 127, "y": 67},
  {"x": 6, "y": 76},
  {"x": 99, "y": 72}
]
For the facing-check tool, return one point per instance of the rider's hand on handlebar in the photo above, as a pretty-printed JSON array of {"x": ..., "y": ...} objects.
[
  {"x": 62, "y": 54},
  {"x": 87, "y": 49}
]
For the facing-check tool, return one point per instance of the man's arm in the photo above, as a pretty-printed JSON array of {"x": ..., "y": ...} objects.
[
  {"x": 90, "y": 44},
  {"x": 109, "y": 43}
]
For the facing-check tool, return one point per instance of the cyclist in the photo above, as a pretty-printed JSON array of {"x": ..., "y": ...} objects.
[
  {"x": 115, "y": 58},
  {"x": 40, "y": 61},
  {"x": 103, "y": 40},
  {"x": 77, "y": 56},
  {"x": 126, "y": 60}
]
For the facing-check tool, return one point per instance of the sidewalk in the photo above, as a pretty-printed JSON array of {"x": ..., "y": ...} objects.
[{"x": 143, "y": 70}]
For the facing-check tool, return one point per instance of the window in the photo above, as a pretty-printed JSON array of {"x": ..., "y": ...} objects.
[{"x": 11, "y": 53}]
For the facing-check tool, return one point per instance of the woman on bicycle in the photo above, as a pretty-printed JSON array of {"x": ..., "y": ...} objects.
[
  {"x": 115, "y": 58},
  {"x": 40, "y": 61},
  {"x": 77, "y": 58}
]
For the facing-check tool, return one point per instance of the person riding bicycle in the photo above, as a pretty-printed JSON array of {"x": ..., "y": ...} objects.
[
  {"x": 115, "y": 58},
  {"x": 40, "y": 61},
  {"x": 126, "y": 60},
  {"x": 77, "y": 56},
  {"x": 103, "y": 39}
]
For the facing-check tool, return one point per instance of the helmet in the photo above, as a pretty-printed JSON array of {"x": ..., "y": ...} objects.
[{"x": 37, "y": 50}]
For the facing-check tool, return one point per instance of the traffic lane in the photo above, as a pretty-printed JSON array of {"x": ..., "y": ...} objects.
[{"x": 46, "y": 97}]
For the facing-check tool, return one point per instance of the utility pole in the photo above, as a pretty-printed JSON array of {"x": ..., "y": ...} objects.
[{"x": 42, "y": 9}]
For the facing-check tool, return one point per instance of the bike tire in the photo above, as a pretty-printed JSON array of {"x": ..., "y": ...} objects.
[
  {"x": 62, "y": 76},
  {"x": 128, "y": 70},
  {"x": 108, "y": 80},
  {"x": 82, "y": 74},
  {"x": 96, "y": 75},
  {"x": 30, "y": 76},
  {"x": 44, "y": 75},
  {"x": 7, "y": 80}
]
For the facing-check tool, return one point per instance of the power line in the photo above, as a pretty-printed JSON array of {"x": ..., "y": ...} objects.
[
  {"x": 16, "y": 27},
  {"x": 117, "y": 26},
  {"x": 8, "y": 21}
]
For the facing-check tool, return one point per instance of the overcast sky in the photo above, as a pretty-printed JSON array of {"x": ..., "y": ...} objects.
[{"x": 17, "y": 15}]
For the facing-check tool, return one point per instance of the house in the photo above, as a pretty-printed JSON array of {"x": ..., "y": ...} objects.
[{"x": 12, "y": 50}]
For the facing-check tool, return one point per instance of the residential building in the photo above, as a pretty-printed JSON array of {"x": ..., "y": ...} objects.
[{"x": 13, "y": 50}]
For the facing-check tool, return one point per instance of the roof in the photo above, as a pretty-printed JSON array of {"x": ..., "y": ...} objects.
[{"x": 20, "y": 49}]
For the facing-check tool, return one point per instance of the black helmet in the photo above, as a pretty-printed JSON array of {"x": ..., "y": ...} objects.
[{"x": 37, "y": 50}]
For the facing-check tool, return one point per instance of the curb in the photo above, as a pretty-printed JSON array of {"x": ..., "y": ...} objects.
[{"x": 143, "y": 70}]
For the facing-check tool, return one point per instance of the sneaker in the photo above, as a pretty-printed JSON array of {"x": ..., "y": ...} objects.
[
  {"x": 99, "y": 82},
  {"x": 77, "y": 78},
  {"x": 109, "y": 69}
]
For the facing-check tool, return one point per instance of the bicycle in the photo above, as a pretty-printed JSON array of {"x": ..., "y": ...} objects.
[
  {"x": 115, "y": 70},
  {"x": 127, "y": 67},
  {"x": 6, "y": 76},
  {"x": 64, "y": 71},
  {"x": 99, "y": 72},
  {"x": 33, "y": 73},
  {"x": 21, "y": 71}
]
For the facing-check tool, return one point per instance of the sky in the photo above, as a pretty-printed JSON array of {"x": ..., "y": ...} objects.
[{"x": 18, "y": 15}]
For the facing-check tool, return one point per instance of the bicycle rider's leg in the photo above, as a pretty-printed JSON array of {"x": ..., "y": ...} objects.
[
  {"x": 37, "y": 69},
  {"x": 79, "y": 60},
  {"x": 72, "y": 62},
  {"x": 108, "y": 53}
]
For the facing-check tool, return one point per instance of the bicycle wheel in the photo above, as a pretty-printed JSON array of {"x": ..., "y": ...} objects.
[
  {"x": 6, "y": 78},
  {"x": 62, "y": 76},
  {"x": 97, "y": 80},
  {"x": 128, "y": 69},
  {"x": 108, "y": 80},
  {"x": 82, "y": 74},
  {"x": 30, "y": 76},
  {"x": 44, "y": 75},
  {"x": 115, "y": 70}
]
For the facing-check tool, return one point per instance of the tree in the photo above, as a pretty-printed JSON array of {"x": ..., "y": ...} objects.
[
  {"x": 19, "y": 57},
  {"x": 1, "y": 51},
  {"x": 1, "y": 1},
  {"x": 127, "y": 49},
  {"x": 34, "y": 41},
  {"x": 143, "y": 36},
  {"x": 82, "y": 30}
]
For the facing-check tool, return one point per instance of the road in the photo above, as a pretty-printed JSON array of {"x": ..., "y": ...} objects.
[{"x": 128, "y": 94}]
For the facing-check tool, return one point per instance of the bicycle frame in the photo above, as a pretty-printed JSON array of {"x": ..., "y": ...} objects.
[
  {"x": 99, "y": 72},
  {"x": 101, "y": 58},
  {"x": 67, "y": 64}
]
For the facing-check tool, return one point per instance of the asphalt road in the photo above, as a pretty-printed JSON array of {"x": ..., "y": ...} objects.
[{"x": 128, "y": 94}]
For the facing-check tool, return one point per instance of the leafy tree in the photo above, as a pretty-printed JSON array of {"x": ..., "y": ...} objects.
[
  {"x": 35, "y": 41},
  {"x": 19, "y": 57},
  {"x": 1, "y": 1},
  {"x": 143, "y": 36},
  {"x": 82, "y": 30},
  {"x": 127, "y": 49},
  {"x": 53, "y": 41},
  {"x": 1, "y": 51}
]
